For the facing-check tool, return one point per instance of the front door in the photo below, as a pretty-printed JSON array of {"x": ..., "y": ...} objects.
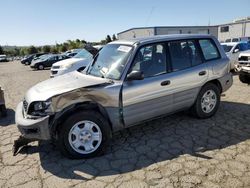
[{"x": 152, "y": 96}]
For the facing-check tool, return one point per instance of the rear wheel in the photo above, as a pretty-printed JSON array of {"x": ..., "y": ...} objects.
[
  {"x": 83, "y": 135},
  {"x": 207, "y": 102},
  {"x": 40, "y": 67}
]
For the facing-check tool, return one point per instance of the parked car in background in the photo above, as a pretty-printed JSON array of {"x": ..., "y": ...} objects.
[
  {"x": 47, "y": 61},
  {"x": 3, "y": 58},
  {"x": 123, "y": 87},
  {"x": 28, "y": 59},
  {"x": 244, "y": 67},
  {"x": 73, "y": 51},
  {"x": 98, "y": 47},
  {"x": 79, "y": 61},
  {"x": 72, "y": 54},
  {"x": 233, "y": 50},
  {"x": 3, "y": 111}
]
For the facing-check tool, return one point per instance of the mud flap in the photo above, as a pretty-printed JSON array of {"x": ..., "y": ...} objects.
[{"x": 19, "y": 143}]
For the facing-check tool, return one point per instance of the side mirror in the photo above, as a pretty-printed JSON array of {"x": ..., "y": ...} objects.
[
  {"x": 236, "y": 50},
  {"x": 135, "y": 75}
]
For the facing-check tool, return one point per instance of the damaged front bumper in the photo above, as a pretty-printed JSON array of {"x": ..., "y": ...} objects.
[{"x": 34, "y": 129}]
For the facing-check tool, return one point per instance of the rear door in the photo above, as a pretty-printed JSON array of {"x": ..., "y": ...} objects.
[{"x": 188, "y": 72}]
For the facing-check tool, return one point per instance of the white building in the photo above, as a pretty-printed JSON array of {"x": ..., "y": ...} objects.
[{"x": 236, "y": 30}]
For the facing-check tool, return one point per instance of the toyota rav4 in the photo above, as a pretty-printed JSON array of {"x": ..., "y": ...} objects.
[{"x": 128, "y": 82}]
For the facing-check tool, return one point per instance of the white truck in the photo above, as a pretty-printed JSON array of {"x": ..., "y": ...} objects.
[{"x": 244, "y": 67}]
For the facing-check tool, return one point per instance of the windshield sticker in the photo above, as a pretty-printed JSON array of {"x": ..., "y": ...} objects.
[{"x": 124, "y": 48}]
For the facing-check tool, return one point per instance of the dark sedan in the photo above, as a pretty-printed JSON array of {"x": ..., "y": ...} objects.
[
  {"x": 47, "y": 61},
  {"x": 28, "y": 59}
]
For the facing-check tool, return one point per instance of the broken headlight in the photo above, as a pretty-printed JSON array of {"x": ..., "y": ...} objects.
[{"x": 40, "y": 108}]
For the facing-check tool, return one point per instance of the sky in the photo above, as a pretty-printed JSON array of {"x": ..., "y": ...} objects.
[{"x": 41, "y": 22}]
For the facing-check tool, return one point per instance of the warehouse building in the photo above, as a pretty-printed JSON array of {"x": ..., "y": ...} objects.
[{"x": 234, "y": 31}]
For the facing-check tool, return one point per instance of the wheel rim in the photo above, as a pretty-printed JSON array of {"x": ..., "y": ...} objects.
[
  {"x": 208, "y": 101},
  {"x": 85, "y": 137},
  {"x": 40, "y": 67}
]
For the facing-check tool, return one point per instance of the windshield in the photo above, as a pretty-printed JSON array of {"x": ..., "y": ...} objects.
[
  {"x": 227, "y": 48},
  {"x": 44, "y": 57},
  {"x": 83, "y": 54},
  {"x": 110, "y": 61}
]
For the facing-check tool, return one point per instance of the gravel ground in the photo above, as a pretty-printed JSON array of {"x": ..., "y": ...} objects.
[{"x": 175, "y": 151}]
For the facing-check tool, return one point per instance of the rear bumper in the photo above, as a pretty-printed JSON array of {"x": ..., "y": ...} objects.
[
  {"x": 37, "y": 129},
  {"x": 226, "y": 81}
]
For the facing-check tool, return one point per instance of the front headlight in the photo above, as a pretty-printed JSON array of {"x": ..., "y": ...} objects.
[
  {"x": 67, "y": 66},
  {"x": 40, "y": 108}
]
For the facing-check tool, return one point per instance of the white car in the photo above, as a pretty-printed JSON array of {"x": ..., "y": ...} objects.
[
  {"x": 233, "y": 50},
  {"x": 79, "y": 61},
  {"x": 3, "y": 58}
]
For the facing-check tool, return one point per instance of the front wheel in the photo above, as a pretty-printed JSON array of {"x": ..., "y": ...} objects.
[
  {"x": 207, "y": 102},
  {"x": 83, "y": 135}
]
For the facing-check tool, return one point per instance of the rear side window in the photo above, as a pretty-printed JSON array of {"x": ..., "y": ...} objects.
[
  {"x": 209, "y": 49},
  {"x": 184, "y": 54}
]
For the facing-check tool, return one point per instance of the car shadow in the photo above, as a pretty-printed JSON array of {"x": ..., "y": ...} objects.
[
  {"x": 9, "y": 119},
  {"x": 155, "y": 141}
]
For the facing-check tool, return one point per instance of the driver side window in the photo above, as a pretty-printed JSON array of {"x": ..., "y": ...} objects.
[{"x": 151, "y": 60}]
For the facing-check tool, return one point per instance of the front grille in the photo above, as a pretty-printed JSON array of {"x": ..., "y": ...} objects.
[
  {"x": 54, "y": 72},
  {"x": 56, "y": 67},
  {"x": 244, "y": 58},
  {"x": 25, "y": 105}
]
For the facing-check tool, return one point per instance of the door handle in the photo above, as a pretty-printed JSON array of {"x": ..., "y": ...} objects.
[
  {"x": 165, "y": 83},
  {"x": 202, "y": 73}
]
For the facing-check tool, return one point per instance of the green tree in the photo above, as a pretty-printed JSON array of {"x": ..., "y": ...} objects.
[
  {"x": 114, "y": 37},
  {"x": 46, "y": 49},
  {"x": 63, "y": 48},
  {"x": 32, "y": 50},
  {"x": 108, "y": 39},
  {"x": 54, "y": 50},
  {"x": 1, "y": 50},
  {"x": 83, "y": 41}
]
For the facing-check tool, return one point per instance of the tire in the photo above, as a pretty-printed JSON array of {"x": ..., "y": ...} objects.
[
  {"x": 26, "y": 63},
  {"x": 205, "y": 109},
  {"x": 66, "y": 137},
  {"x": 244, "y": 79},
  {"x": 40, "y": 67},
  {"x": 3, "y": 110}
]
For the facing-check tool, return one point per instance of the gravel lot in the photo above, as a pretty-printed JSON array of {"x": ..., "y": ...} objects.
[{"x": 176, "y": 151}]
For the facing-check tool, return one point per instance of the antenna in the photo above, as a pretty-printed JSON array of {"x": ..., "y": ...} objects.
[{"x": 149, "y": 15}]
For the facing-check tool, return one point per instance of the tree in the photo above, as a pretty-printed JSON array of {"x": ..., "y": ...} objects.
[
  {"x": 46, "y": 49},
  {"x": 31, "y": 50},
  {"x": 114, "y": 37},
  {"x": 84, "y": 41},
  {"x": 1, "y": 50},
  {"x": 54, "y": 50},
  {"x": 63, "y": 48},
  {"x": 108, "y": 39}
]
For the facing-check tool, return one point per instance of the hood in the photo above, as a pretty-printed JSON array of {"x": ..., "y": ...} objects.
[
  {"x": 245, "y": 53},
  {"x": 69, "y": 61},
  {"x": 61, "y": 84}
]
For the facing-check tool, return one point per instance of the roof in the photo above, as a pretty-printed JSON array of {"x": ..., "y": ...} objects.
[{"x": 159, "y": 38}]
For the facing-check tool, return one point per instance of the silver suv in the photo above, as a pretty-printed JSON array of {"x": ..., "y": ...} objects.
[{"x": 128, "y": 82}]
